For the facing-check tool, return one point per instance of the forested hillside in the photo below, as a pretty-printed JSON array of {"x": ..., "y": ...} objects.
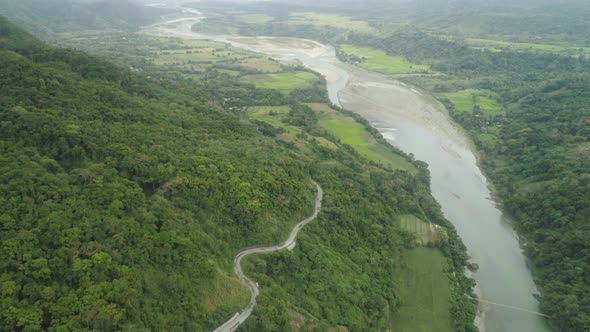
[
  {"x": 125, "y": 198},
  {"x": 122, "y": 198},
  {"x": 45, "y": 18}
]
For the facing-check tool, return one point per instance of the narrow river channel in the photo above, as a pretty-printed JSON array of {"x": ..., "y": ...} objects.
[{"x": 418, "y": 124}]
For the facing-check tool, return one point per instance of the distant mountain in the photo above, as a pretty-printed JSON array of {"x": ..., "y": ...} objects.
[{"x": 46, "y": 17}]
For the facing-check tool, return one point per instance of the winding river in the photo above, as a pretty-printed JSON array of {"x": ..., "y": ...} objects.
[{"x": 418, "y": 124}]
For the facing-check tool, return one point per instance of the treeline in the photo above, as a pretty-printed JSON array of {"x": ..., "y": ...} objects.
[
  {"x": 453, "y": 57},
  {"x": 47, "y": 18},
  {"x": 276, "y": 28}
]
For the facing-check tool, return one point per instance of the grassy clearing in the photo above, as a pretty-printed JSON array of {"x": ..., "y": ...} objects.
[
  {"x": 272, "y": 115},
  {"x": 413, "y": 224},
  {"x": 424, "y": 288},
  {"x": 344, "y": 127},
  {"x": 294, "y": 42},
  {"x": 261, "y": 64},
  {"x": 268, "y": 112},
  {"x": 488, "y": 140},
  {"x": 322, "y": 108},
  {"x": 195, "y": 57},
  {"x": 330, "y": 20},
  {"x": 580, "y": 151},
  {"x": 498, "y": 45},
  {"x": 426, "y": 233},
  {"x": 354, "y": 134},
  {"x": 379, "y": 61},
  {"x": 466, "y": 100},
  {"x": 285, "y": 82},
  {"x": 226, "y": 290}
]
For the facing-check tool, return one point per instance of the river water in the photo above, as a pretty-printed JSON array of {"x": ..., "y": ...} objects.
[{"x": 418, "y": 124}]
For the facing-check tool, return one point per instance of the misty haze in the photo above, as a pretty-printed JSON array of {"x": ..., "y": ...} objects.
[{"x": 249, "y": 165}]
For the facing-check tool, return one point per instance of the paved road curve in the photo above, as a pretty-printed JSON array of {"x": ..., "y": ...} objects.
[{"x": 239, "y": 318}]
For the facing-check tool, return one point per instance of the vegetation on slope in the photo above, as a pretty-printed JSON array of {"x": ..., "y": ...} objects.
[{"x": 124, "y": 199}]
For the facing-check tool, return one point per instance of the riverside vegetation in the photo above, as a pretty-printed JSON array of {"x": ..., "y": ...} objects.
[
  {"x": 125, "y": 197},
  {"x": 521, "y": 89}
]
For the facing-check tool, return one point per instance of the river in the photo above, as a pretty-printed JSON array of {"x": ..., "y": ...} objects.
[{"x": 416, "y": 123}]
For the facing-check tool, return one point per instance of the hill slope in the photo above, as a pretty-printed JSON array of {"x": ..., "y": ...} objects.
[
  {"x": 46, "y": 17},
  {"x": 125, "y": 198},
  {"x": 121, "y": 196}
]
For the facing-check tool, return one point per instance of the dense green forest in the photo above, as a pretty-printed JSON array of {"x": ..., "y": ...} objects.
[
  {"x": 521, "y": 88},
  {"x": 125, "y": 198}
]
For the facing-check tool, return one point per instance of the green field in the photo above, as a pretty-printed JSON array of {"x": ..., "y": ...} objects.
[
  {"x": 193, "y": 57},
  {"x": 261, "y": 64},
  {"x": 226, "y": 290},
  {"x": 330, "y": 20},
  {"x": 498, "y": 45},
  {"x": 285, "y": 81},
  {"x": 379, "y": 61},
  {"x": 255, "y": 18},
  {"x": 426, "y": 233},
  {"x": 203, "y": 44},
  {"x": 344, "y": 127},
  {"x": 354, "y": 134},
  {"x": 413, "y": 224},
  {"x": 272, "y": 115},
  {"x": 466, "y": 100},
  {"x": 425, "y": 292},
  {"x": 199, "y": 54}
]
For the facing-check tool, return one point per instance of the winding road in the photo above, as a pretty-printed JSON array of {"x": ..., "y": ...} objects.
[{"x": 239, "y": 318}]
